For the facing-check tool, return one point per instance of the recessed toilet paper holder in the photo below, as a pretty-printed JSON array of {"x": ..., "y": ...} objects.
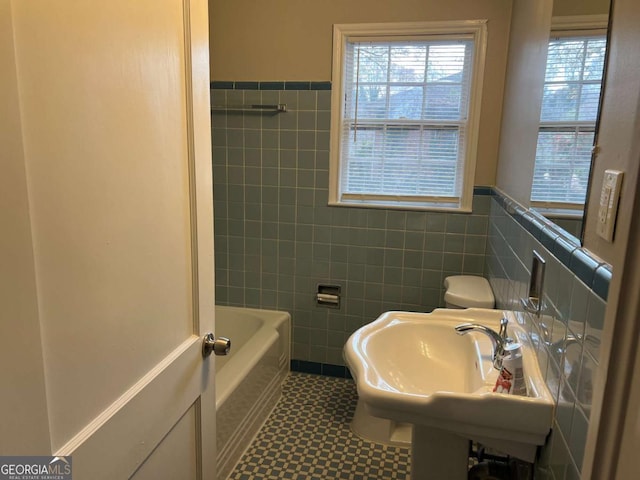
[{"x": 328, "y": 295}]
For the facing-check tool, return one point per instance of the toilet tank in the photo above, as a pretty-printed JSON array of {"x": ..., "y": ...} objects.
[{"x": 468, "y": 291}]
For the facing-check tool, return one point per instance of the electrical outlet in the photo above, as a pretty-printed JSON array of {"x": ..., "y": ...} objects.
[{"x": 608, "y": 208}]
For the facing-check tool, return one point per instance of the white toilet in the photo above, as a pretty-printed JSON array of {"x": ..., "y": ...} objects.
[
  {"x": 461, "y": 291},
  {"x": 468, "y": 291}
]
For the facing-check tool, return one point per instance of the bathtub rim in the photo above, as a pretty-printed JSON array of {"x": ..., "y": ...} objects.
[{"x": 228, "y": 379}]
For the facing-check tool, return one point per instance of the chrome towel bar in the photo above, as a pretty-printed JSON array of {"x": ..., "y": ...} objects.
[{"x": 279, "y": 108}]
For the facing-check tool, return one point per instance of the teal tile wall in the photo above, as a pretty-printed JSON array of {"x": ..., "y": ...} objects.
[
  {"x": 276, "y": 238},
  {"x": 568, "y": 332}
]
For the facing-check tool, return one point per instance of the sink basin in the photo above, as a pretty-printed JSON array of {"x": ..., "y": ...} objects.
[{"x": 414, "y": 368}]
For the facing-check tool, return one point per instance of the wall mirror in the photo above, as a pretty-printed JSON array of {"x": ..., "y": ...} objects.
[{"x": 570, "y": 109}]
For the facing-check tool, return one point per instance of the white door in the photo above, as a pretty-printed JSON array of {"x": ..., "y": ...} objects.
[{"x": 107, "y": 255}]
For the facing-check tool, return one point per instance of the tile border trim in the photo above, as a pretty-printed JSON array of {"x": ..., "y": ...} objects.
[
  {"x": 295, "y": 85},
  {"x": 482, "y": 190},
  {"x": 324, "y": 369},
  {"x": 595, "y": 273}
]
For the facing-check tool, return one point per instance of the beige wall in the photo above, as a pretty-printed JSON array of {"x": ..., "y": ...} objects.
[
  {"x": 619, "y": 143},
  {"x": 580, "y": 7},
  {"x": 291, "y": 39},
  {"x": 288, "y": 40},
  {"x": 523, "y": 97}
]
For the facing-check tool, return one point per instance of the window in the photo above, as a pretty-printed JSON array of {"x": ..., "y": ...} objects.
[
  {"x": 405, "y": 114},
  {"x": 575, "y": 63}
]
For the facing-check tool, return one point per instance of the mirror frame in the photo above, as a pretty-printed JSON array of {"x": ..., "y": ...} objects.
[{"x": 594, "y": 152}]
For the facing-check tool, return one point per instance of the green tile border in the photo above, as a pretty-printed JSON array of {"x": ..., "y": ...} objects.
[
  {"x": 595, "y": 273},
  {"x": 325, "y": 369},
  {"x": 291, "y": 85}
]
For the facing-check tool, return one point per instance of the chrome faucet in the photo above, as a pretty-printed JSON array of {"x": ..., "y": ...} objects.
[{"x": 499, "y": 340}]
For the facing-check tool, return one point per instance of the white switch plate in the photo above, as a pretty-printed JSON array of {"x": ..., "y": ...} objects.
[{"x": 608, "y": 208}]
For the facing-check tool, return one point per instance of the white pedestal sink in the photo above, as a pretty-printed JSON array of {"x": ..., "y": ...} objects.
[{"x": 414, "y": 368}]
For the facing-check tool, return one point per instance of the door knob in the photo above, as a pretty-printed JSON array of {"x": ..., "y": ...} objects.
[{"x": 219, "y": 346}]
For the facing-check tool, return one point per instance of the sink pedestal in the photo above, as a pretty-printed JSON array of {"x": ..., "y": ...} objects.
[{"x": 438, "y": 455}]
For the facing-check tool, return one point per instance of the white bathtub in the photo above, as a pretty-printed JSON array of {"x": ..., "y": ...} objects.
[{"x": 248, "y": 380}]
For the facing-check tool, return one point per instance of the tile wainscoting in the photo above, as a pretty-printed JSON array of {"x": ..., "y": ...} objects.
[
  {"x": 568, "y": 331},
  {"x": 276, "y": 238}
]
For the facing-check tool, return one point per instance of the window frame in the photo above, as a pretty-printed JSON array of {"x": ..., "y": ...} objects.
[
  {"x": 567, "y": 27},
  {"x": 342, "y": 33}
]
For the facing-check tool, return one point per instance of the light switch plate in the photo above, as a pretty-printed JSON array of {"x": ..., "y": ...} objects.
[{"x": 608, "y": 208}]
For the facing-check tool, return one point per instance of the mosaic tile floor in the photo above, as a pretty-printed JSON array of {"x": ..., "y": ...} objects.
[{"x": 307, "y": 437}]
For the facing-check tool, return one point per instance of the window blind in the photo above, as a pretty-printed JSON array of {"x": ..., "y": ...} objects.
[
  {"x": 405, "y": 119},
  {"x": 567, "y": 122}
]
